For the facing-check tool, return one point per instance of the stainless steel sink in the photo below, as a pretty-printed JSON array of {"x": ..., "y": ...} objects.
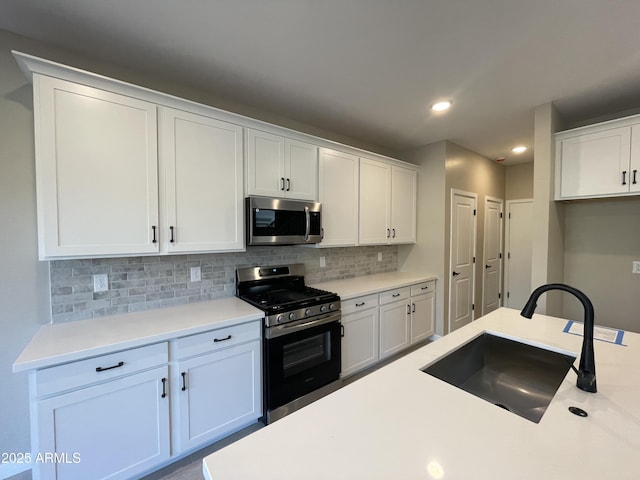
[{"x": 515, "y": 376}]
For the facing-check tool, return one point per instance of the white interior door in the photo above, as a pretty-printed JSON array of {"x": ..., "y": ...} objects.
[
  {"x": 462, "y": 258},
  {"x": 518, "y": 248},
  {"x": 492, "y": 267}
]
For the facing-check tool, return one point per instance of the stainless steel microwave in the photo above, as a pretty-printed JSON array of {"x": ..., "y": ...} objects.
[{"x": 278, "y": 221}]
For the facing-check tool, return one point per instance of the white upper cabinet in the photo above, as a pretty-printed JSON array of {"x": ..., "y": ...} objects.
[
  {"x": 281, "y": 167},
  {"x": 388, "y": 196},
  {"x": 96, "y": 169},
  {"x": 338, "y": 188},
  {"x": 598, "y": 161},
  {"x": 404, "y": 192},
  {"x": 201, "y": 171}
]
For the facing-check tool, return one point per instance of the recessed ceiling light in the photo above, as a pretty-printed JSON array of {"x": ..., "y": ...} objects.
[
  {"x": 441, "y": 106},
  {"x": 519, "y": 149}
]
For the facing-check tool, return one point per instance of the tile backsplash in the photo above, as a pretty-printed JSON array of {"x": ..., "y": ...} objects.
[{"x": 143, "y": 283}]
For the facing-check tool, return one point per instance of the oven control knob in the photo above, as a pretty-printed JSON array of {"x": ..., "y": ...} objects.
[
  {"x": 280, "y": 318},
  {"x": 307, "y": 312},
  {"x": 332, "y": 306},
  {"x": 323, "y": 308},
  {"x": 292, "y": 316}
]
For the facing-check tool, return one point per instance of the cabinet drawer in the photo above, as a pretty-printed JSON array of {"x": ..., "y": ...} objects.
[
  {"x": 394, "y": 295},
  {"x": 359, "y": 304},
  {"x": 424, "y": 287},
  {"x": 97, "y": 369},
  {"x": 216, "y": 339}
]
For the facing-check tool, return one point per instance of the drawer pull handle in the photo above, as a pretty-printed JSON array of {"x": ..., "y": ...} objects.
[
  {"x": 184, "y": 381},
  {"x": 164, "y": 388},
  {"x": 360, "y": 304},
  {"x": 102, "y": 369},
  {"x": 395, "y": 295},
  {"x": 216, "y": 340},
  {"x": 424, "y": 288}
]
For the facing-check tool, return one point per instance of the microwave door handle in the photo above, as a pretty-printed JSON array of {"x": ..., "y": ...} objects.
[{"x": 307, "y": 224}]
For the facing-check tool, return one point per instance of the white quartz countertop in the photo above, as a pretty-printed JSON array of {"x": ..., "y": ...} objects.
[
  {"x": 356, "y": 287},
  {"x": 400, "y": 423},
  {"x": 65, "y": 342}
]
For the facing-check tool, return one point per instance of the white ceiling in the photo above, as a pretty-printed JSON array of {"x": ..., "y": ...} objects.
[{"x": 369, "y": 69}]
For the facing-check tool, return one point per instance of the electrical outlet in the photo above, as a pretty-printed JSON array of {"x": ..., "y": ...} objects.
[
  {"x": 379, "y": 256},
  {"x": 100, "y": 282},
  {"x": 195, "y": 274},
  {"x": 323, "y": 262},
  {"x": 635, "y": 267}
]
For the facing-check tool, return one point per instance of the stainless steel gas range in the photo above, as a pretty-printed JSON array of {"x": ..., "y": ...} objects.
[{"x": 302, "y": 332}]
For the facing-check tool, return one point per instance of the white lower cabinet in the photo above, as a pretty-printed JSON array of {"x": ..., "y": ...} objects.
[
  {"x": 218, "y": 392},
  {"x": 121, "y": 415},
  {"x": 423, "y": 309},
  {"x": 360, "y": 318},
  {"x": 116, "y": 429},
  {"x": 380, "y": 325},
  {"x": 395, "y": 325}
]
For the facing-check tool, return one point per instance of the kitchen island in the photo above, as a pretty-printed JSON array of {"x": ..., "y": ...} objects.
[{"x": 400, "y": 423}]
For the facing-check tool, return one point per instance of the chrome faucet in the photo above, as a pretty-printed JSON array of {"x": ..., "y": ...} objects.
[{"x": 587, "y": 369}]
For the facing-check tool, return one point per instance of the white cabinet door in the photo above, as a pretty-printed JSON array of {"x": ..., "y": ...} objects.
[
  {"x": 404, "y": 190},
  {"x": 279, "y": 167},
  {"x": 338, "y": 182},
  {"x": 301, "y": 168},
  {"x": 394, "y": 328},
  {"x": 217, "y": 393},
  {"x": 202, "y": 165},
  {"x": 594, "y": 164},
  {"x": 114, "y": 430},
  {"x": 360, "y": 340},
  {"x": 375, "y": 202},
  {"x": 265, "y": 164},
  {"x": 97, "y": 171},
  {"x": 422, "y": 317}
]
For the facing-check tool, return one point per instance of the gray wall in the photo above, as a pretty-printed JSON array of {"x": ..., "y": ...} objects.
[
  {"x": 601, "y": 239},
  {"x": 518, "y": 181},
  {"x": 24, "y": 280}
]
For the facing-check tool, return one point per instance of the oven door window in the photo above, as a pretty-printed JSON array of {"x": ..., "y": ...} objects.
[
  {"x": 306, "y": 353},
  {"x": 300, "y": 362}
]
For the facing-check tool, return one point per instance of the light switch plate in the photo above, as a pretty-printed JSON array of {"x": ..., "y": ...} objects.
[
  {"x": 100, "y": 282},
  {"x": 635, "y": 267}
]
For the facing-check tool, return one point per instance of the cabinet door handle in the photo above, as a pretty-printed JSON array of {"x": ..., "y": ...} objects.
[
  {"x": 103, "y": 369},
  {"x": 342, "y": 330},
  {"x": 408, "y": 309},
  {"x": 360, "y": 304},
  {"x": 388, "y": 233},
  {"x": 634, "y": 181},
  {"x": 153, "y": 230},
  {"x": 282, "y": 183},
  {"x": 322, "y": 233},
  {"x": 164, "y": 388},
  {"x": 216, "y": 340},
  {"x": 288, "y": 184},
  {"x": 413, "y": 308},
  {"x": 624, "y": 177},
  {"x": 184, "y": 381},
  {"x": 171, "y": 231},
  {"x": 394, "y": 233}
]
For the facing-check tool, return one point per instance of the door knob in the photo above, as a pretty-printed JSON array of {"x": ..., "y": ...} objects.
[
  {"x": 455, "y": 274},
  {"x": 487, "y": 266}
]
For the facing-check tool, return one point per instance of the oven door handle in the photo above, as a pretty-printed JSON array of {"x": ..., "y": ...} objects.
[{"x": 287, "y": 328}]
